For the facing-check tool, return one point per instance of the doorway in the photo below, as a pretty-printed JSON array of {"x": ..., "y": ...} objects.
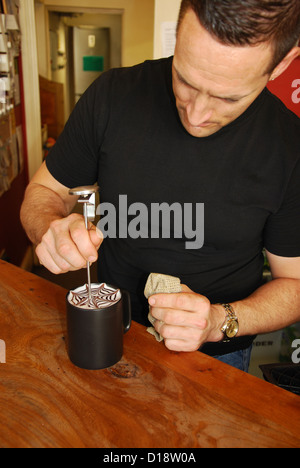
[
  {"x": 91, "y": 54},
  {"x": 82, "y": 46}
]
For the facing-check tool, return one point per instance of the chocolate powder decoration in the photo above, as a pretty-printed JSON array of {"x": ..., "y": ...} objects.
[{"x": 102, "y": 296}]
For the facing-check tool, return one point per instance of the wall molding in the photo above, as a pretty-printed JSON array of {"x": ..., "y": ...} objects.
[{"x": 31, "y": 86}]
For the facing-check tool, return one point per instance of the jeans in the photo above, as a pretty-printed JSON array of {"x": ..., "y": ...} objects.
[{"x": 239, "y": 359}]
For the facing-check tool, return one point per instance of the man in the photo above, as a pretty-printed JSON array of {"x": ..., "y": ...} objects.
[{"x": 197, "y": 128}]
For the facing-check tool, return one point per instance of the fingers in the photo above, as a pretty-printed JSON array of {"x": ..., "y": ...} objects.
[
  {"x": 80, "y": 237},
  {"x": 181, "y": 318},
  {"x": 48, "y": 260},
  {"x": 179, "y": 338},
  {"x": 68, "y": 245},
  {"x": 96, "y": 236},
  {"x": 181, "y": 309}
]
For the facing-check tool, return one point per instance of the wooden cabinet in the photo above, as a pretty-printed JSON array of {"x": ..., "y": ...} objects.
[{"x": 52, "y": 106}]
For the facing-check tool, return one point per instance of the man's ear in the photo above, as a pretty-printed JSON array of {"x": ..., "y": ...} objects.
[{"x": 285, "y": 63}]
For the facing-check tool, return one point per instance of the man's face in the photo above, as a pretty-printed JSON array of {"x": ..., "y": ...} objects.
[{"x": 214, "y": 83}]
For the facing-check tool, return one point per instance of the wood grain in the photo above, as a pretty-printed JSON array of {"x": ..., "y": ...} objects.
[{"x": 153, "y": 398}]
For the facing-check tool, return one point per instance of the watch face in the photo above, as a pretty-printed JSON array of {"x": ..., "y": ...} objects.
[{"x": 232, "y": 329}]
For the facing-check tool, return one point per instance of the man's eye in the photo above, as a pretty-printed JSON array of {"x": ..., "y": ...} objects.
[
  {"x": 183, "y": 82},
  {"x": 230, "y": 100}
]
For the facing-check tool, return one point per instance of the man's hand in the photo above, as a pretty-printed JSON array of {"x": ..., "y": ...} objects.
[
  {"x": 68, "y": 245},
  {"x": 186, "y": 320}
]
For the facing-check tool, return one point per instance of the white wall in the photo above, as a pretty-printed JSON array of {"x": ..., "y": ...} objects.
[{"x": 165, "y": 11}]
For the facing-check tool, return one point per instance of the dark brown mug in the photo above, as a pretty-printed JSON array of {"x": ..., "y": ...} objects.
[{"x": 95, "y": 336}]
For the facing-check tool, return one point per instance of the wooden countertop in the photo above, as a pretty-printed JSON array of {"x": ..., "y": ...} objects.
[{"x": 153, "y": 398}]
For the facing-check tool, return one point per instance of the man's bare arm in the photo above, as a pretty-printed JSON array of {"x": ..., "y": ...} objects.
[
  {"x": 45, "y": 201},
  {"x": 63, "y": 243},
  {"x": 276, "y": 304},
  {"x": 41, "y": 206},
  {"x": 187, "y": 320}
]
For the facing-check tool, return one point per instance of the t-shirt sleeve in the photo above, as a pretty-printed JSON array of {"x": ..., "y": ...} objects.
[
  {"x": 282, "y": 230},
  {"x": 73, "y": 160}
]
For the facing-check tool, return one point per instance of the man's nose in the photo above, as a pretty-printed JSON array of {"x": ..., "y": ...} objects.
[{"x": 199, "y": 111}]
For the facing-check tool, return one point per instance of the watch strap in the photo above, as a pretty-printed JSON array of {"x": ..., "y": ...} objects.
[{"x": 231, "y": 319}]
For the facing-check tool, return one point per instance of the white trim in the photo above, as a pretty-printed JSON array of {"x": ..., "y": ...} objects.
[{"x": 31, "y": 86}]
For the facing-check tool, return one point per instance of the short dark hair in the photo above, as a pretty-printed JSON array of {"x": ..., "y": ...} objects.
[{"x": 249, "y": 22}]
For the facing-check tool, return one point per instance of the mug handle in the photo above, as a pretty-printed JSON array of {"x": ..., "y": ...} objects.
[{"x": 126, "y": 310}]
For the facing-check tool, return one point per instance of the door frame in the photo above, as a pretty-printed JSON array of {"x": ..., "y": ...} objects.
[
  {"x": 31, "y": 86},
  {"x": 31, "y": 75}
]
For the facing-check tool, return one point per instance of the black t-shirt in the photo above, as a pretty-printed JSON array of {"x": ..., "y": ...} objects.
[{"x": 125, "y": 134}]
